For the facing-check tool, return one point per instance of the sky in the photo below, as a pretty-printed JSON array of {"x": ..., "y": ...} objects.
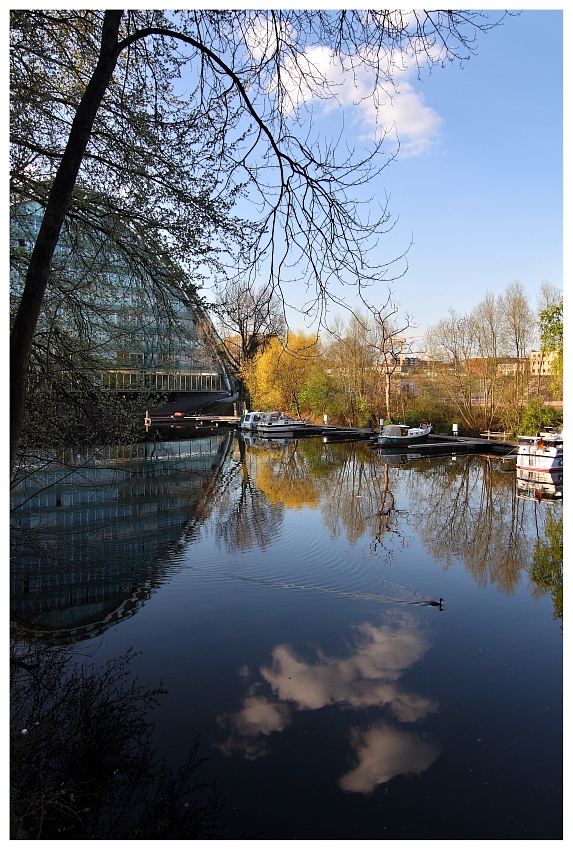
[
  {"x": 478, "y": 182},
  {"x": 477, "y": 186}
]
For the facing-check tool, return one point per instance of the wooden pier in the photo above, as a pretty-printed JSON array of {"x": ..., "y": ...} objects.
[
  {"x": 441, "y": 444},
  {"x": 436, "y": 443}
]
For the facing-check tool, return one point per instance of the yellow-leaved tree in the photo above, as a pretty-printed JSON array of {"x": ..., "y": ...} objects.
[{"x": 276, "y": 377}]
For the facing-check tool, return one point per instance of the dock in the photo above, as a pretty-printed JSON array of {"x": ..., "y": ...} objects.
[
  {"x": 441, "y": 444},
  {"x": 436, "y": 444}
]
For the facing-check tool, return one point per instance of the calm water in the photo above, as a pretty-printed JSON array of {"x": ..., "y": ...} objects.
[{"x": 281, "y": 593}]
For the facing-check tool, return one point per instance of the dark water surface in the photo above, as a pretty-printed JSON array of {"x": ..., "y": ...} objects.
[{"x": 281, "y": 596}]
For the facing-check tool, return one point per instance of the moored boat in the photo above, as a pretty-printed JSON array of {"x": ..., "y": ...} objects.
[
  {"x": 250, "y": 419},
  {"x": 403, "y": 435},
  {"x": 280, "y": 423},
  {"x": 542, "y": 453}
]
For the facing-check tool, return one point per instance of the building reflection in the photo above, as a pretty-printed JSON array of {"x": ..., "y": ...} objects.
[
  {"x": 92, "y": 536},
  {"x": 367, "y": 677}
]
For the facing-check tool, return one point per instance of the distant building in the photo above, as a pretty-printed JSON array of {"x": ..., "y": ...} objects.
[
  {"x": 477, "y": 365},
  {"x": 503, "y": 365},
  {"x": 514, "y": 366},
  {"x": 409, "y": 362},
  {"x": 540, "y": 362}
]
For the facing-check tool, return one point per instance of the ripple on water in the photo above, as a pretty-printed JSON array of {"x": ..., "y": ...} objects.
[{"x": 301, "y": 562}]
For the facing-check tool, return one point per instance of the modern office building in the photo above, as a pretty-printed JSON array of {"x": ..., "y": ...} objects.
[{"x": 143, "y": 342}]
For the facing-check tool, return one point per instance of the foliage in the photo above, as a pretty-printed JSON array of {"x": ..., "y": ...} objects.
[
  {"x": 84, "y": 767},
  {"x": 551, "y": 332},
  {"x": 321, "y": 394},
  {"x": 425, "y": 407},
  {"x": 276, "y": 377},
  {"x": 536, "y": 416},
  {"x": 87, "y": 415},
  {"x": 547, "y": 564},
  {"x": 98, "y": 102},
  {"x": 551, "y": 327}
]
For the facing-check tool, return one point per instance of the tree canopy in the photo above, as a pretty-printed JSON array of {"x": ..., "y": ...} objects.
[
  {"x": 171, "y": 115},
  {"x": 551, "y": 332}
]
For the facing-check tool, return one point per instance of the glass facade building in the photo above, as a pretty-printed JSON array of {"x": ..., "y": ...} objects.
[{"x": 144, "y": 342}]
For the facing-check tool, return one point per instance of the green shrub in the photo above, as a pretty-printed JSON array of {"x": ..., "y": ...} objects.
[{"x": 537, "y": 415}]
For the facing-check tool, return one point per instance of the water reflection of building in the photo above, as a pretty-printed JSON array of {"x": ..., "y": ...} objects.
[
  {"x": 88, "y": 537},
  {"x": 540, "y": 485}
]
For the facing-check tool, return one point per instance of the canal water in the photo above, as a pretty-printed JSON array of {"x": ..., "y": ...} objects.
[{"x": 287, "y": 597}]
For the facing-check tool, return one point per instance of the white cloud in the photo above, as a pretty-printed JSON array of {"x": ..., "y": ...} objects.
[
  {"x": 259, "y": 716},
  {"x": 395, "y": 110},
  {"x": 366, "y": 676},
  {"x": 417, "y": 125},
  {"x": 383, "y": 752}
]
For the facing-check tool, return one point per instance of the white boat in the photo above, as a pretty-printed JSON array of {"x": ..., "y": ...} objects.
[
  {"x": 280, "y": 423},
  {"x": 250, "y": 419},
  {"x": 403, "y": 435},
  {"x": 541, "y": 453}
]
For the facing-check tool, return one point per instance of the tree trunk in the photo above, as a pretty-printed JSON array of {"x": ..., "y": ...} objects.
[
  {"x": 56, "y": 209},
  {"x": 387, "y": 395}
]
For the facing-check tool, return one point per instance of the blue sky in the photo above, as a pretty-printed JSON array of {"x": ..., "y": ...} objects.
[{"x": 478, "y": 185}]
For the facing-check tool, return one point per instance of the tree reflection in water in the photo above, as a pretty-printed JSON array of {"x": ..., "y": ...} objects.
[
  {"x": 82, "y": 761},
  {"x": 465, "y": 509},
  {"x": 352, "y": 493},
  {"x": 468, "y": 509},
  {"x": 246, "y": 517},
  {"x": 547, "y": 565}
]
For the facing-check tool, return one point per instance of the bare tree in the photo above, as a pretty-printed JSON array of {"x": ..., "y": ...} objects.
[
  {"x": 252, "y": 72},
  {"x": 518, "y": 320},
  {"x": 389, "y": 343},
  {"x": 549, "y": 296},
  {"x": 453, "y": 345},
  {"x": 247, "y": 318}
]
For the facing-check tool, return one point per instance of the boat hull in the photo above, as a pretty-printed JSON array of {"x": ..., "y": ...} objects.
[
  {"x": 280, "y": 424},
  {"x": 401, "y": 441},
  {"x": 280, "y": 430},
  {"x": 402, "y": 435}
]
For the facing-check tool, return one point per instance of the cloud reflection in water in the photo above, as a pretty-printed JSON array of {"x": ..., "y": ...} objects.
[
  {"x": 384, "y": 752},
  {"x": 366, "y": 677}
]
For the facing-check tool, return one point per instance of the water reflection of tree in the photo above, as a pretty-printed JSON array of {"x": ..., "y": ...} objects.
[
  {"x": 246, "y": 516},
  {"x": 468, "y": 509},
  {"x": 547, "y": 563},
  {"x": 82, "y": 762},
  {"x": 285, "y": 476},
  {"x": 358, "y": 495},
  {"x": 361, "y": 498},
  {"x": 353, "y": 490}
]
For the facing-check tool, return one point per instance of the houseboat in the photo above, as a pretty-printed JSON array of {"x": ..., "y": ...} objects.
[{"x": 541, "y": 453}]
